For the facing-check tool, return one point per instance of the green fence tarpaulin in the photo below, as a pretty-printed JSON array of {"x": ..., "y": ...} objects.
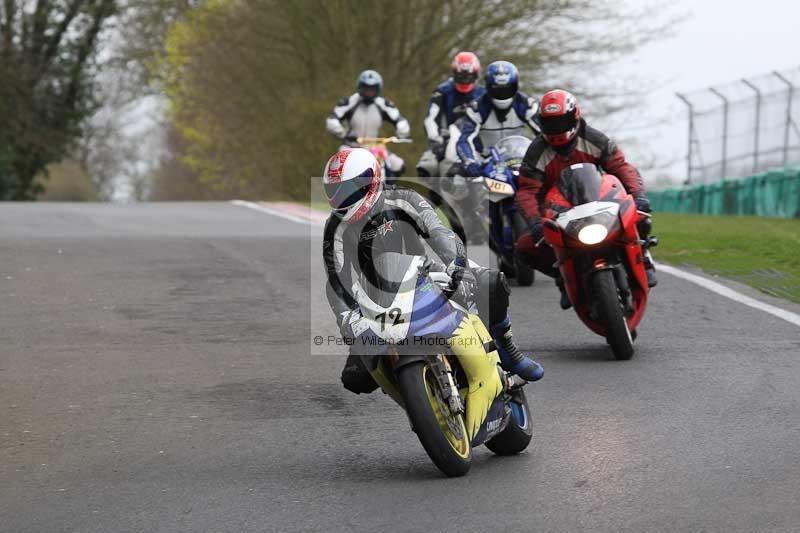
[{"x": 775, "y": 193}]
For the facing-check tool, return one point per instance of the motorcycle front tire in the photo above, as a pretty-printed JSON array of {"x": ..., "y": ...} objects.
[
  {"x": 451, "y": 453},
  {"x": 609, "y": 307}
]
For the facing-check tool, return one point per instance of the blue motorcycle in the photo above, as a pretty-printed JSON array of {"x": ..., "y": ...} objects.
[{"x": 506, "y": 223}]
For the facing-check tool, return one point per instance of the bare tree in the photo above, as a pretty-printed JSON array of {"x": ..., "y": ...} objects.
[
  {"x": 250, "y": 82},
  {"x": 47, "y": 65}
]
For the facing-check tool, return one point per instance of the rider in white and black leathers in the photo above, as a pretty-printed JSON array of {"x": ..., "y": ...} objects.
[
  {"x": 367, "y": 220},
  {"x": 502, "y": 111},
  {"x": 362, "y": 114}
]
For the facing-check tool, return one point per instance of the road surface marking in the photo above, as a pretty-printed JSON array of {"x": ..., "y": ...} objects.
[
  {"x": 727, "y": 292},
  {"x": 713, "y": 286},
  {"x": 277, "y": 213}
]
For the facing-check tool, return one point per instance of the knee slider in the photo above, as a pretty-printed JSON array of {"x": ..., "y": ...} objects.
[{"x": 494, "y": 286}]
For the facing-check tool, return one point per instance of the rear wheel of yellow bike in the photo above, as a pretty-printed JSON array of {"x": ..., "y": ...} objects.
[
  {"x": 442, "y": 434},
  {"x": 518, "y": 433}
]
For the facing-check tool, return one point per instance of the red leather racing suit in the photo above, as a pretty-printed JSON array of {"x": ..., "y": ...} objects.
[{"x": 541, "y": 168}]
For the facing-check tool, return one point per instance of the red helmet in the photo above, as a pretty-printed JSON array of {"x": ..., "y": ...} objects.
[
  {"x": 353, "y": 182},
  {"x": 559, "y": 117},
  {"x": 466, "y": 70}
]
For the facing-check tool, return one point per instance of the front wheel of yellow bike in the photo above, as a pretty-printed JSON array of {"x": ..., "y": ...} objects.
[{"x": 442, "y": 434}]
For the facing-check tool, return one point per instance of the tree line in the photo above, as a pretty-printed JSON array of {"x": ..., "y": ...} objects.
[{"x": 248, "y": 83}]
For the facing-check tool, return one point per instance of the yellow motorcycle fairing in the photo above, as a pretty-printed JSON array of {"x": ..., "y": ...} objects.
[
  {"x": 380, "y": 373},
  {"x": 483, "y": 380},
  {"x": 480, "y": 368}
]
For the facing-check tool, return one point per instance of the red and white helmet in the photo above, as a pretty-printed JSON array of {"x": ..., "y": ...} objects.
[
  {"x": 353, "y": 181},
  {"x": 559, "y": 117},
  {"x": 466, "y": 70}
]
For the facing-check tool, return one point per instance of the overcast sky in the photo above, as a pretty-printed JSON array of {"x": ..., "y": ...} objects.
[{"x": 721, "y": 41}]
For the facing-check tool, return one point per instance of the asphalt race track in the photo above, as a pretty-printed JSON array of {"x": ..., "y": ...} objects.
[{"x": 155, "y": 376}]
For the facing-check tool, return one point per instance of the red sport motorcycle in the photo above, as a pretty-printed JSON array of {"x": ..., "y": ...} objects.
[{"x": 591, "y": 223}]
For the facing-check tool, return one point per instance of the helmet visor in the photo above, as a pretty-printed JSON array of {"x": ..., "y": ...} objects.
[
  {"x": 558, "y": 124},
  {"x": 345, "y": 193},
  {"x": 503, "y": 92},
  {"x": 465, "y": 78},
  {"x": 368, "y": 91}
]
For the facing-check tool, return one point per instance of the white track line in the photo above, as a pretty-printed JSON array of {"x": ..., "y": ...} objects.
[
  {"x": 727, "y": 292},
  {"x": 276, "y": 212},
  {"x": 713, "y": 286}
]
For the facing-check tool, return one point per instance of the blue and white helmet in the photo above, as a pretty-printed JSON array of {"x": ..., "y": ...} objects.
[
  {"x": 370, "y": 84},
  {"x": 502, "y": 83}
]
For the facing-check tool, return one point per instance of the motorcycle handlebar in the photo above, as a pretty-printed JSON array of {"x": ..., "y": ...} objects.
[{"x": 383, "y": 140}]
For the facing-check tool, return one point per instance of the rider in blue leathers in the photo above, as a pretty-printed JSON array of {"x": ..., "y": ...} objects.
[
  {"x": 449, "y": 103},
  {"x": 502, "y": 111}
]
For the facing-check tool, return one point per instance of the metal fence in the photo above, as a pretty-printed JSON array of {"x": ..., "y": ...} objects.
[{"x": 744, "y": 127}]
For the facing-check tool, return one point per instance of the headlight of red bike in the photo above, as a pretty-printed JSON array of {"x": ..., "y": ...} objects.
[
  {"x": 590, "y": 223},
  {"x": 593, "y": 234}
]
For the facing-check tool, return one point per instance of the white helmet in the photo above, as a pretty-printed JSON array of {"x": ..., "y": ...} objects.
[{"x": 353, "y": 182}]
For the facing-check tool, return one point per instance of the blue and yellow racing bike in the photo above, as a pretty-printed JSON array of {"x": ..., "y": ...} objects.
[{"x": 429, "y": 351}]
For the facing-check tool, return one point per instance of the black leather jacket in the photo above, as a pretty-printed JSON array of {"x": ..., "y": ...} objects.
[{"x": 399, "y": 222}]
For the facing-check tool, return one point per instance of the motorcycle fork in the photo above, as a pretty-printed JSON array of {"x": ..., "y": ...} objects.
[
  {"x": 621, "y": 277},
  {"x": 444, "y": 376},
  {"x": 597, "y": 262},
  {"x": 496, "y": 224}
]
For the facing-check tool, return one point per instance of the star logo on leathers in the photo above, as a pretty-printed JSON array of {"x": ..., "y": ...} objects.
[{"x": 386, "y": 228}]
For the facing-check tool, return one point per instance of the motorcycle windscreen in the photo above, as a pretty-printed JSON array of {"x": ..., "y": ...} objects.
[
  {"x": 580, "y": 183},
  {"x": 513, "y": 149},
  {"x": 383, "y": 278}
]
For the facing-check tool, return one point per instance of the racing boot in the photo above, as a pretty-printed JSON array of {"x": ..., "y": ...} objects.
[
  {"x": 650, "y": 269},
  {"x": 649, "y": 241},
  {"x": 355, "y": 376},
  {"x": 652, "y": 281},
  {"x": 565, "y": 303},
  {"x": 511, "y": 359}
]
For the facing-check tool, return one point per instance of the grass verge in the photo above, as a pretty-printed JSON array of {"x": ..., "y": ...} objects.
[{"x": 761, "y": 252}]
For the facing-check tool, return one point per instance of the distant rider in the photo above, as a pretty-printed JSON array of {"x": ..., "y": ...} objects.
[
  {"x": 502, "y": 111},
  {"x": 567, "y": 139},
  {"x": 362, "y": 114},
  {"x": 368, "y": 220},
  {"x": 449, "y": 103}
]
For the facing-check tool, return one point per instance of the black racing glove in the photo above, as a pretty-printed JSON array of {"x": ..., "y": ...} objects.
[
  {"x": 536, "y": 229},
  {"x": 462, "y": 280},
  {"x": 474, "y": 170},
  {"x": 642, "y": 203},
  {"x": 438, "y": 149}
]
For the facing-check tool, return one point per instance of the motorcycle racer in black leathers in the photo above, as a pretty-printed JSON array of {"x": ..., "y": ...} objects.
[{"x": 367, "y": 220}]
